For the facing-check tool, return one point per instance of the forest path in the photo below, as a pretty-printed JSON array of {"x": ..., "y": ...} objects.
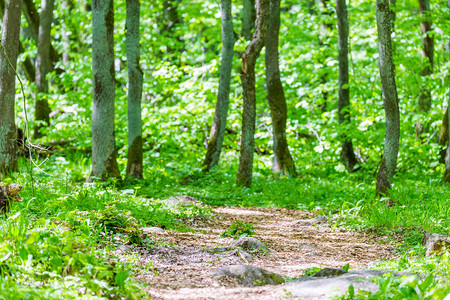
[{"x": 183, "y": 270}]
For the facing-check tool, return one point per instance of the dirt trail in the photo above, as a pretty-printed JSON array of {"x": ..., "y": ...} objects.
[{"x": 183, "y": 270}]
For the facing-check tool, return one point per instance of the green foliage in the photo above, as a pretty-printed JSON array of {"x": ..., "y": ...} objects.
[
  {"x": 181, "y": 76},
  {"x": 239, "y": 229}
]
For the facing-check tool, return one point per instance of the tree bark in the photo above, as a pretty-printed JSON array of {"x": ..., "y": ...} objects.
[
  {"x": 249, "y": 57},
  {"x": 217, "y": 133},
  {"x": 326, "y": 27},
  {"x": 447, "y": 157},
  {"x": 390, "y": 99},
  {"x": 427, "y": 53},
  {"x": 68, "y": 7},
  {"x": 135, "y": 79},
  {"x": 8, "y": 63},
  {"x": 104, "y": 162},
  {"x": 347, "y": 156},
  {"x": 28, "y": 66},
  {"x": 282, "y": 161},
  {"x": 32, "y": 16},
  {"x": 248, "y": 18},
  {"x": 43, "y": 67}
]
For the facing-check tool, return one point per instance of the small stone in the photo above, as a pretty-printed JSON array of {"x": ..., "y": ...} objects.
[
  {"x": 151, "y": 230},
  {"x": 123, "y": 248},
  {"x": 250, "y": 276},
  {"x": 436, "y": 243},
  {"x": 219, "y": 250},
  {"x": 250, "y": 243},
  {"x": 329, "y": 272}
]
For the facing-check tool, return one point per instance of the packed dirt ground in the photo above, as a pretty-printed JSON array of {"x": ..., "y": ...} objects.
[{"x": 181, "y": 268}]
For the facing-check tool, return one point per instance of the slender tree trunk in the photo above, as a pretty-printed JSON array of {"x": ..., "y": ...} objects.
[
  {"x": 326, "y": 27},
  {"x": 348, "y": 157},
  {"x": 43, "y": 67},
  {"x": 135, "y": 78},
  {"x": 68, "y": 6},
  {"x": 8, "y": 62},
  {"x": 248, "y": 18},
  {"x": 104, "y": 162},
  {"x": 217, "y": 134},
  {"x": 282, "y": 161},
  {"x": 311, "y": 6},
  {"x": 171, "y": 17},
  {"x": 443, "y": 136},
  {"x": 249, "y": 57},
  {"x": 427, "y": 53},
  {"x": 390, "y": 98},
  {"x": 32, "y": 16},
  {"x": 447, "y": 157}
]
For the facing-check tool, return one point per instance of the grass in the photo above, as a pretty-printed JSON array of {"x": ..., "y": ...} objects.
[{"x": 56, "y": 243}]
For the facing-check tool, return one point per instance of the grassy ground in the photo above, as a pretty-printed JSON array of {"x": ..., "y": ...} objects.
[{"x": 55, "y": 243}]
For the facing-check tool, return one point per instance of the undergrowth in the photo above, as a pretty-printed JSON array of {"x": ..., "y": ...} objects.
[{"x": 56, "y": 244}]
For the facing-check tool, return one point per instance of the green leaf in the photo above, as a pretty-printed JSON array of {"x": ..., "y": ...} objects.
[{"x": 121, "y": 277}]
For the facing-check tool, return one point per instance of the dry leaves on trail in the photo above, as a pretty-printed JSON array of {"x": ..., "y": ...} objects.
[{"x": 184, "y": 270}]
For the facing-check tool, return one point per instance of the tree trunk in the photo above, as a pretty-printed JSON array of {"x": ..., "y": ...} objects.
[
  {"x": 427, "y": 53},
  {"x": 216, "y": 136},
  {"x": 282, "y": 161},
  {"x": 249, "y": 57},
  {"x": 8, "y": 62},
  {"x": 447, "y": 157},
  {"x": 32, "y": 16},
  {"x": 28, "y": 66},
  {"x": 248, "y": 18},
  {"x": 325, "y": 28},
  {"x": 43, "y": 67},
  {"x": 171, "y": 17},
  {"x": 348, "y": 157},
  {"x": 443, "y": 137},
  {"x": 135, "y": 78},
  {"x": 390, "y": 99},
  {"x": 68, "y": 7},
  {"x": 104, "y": 162}
]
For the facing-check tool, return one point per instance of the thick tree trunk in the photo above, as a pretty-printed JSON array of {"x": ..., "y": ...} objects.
[
  {"x": 427, "y": 53},
  {"x": 217, "y": 134},
  {"x": 104, "y": 162},
  {"x": 249, "y": 57},
  {"x": 348, "y": 157},
  {"x": 248, "y": 18},
  {"x": 135, "y": 79},
  {"x": 32, "y": 16},
  {"x": 443, "y": 136},
  {"x": 43, "y": 67},
  {"x": 8, "y": 62},
  {"x": 282, "y": 161},
  {"x": 390, "y": 98}
]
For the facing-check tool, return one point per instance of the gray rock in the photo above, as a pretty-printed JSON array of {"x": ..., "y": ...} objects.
[
  {"x": 311, "y": 222},
  {"x": 250, "y": 243},
  {"x": 246, "y": 257},
  {"x": 123, "y": 248},
  {"x": 220, "y": 250},
  {"x": 329, "y": 272},
  {"x": 309, "y": 288},
  {"x": 150, "y": 231},
  {"x": 250, "y": 276},
  {"x": 435, "y": 243}
]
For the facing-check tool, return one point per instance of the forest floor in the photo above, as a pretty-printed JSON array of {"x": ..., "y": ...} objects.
[{"x": 180, "y": 268}]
